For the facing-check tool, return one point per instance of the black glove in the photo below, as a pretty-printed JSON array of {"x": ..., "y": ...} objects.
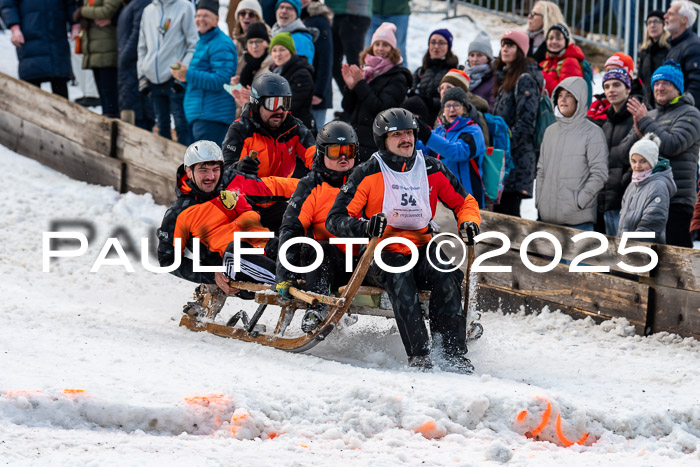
[
  {"x": 424, "y": 131},
  {"x": 248, "y": 165},
  {"x": 376, "y": 225},
  {"x": 271, "y": 248},
  {"x": 143, "y": 86},
  {"x": 468, "y": 230}
]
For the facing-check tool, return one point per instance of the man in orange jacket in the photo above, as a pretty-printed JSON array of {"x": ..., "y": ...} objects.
[
  {"x": 400, "y": 187},
  {"x": 283, "y": 146},
  {"x": 336, "y": 149},
  {"x": 205, "y": 211}
]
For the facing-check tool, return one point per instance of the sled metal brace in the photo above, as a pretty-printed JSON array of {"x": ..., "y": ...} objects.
[{"x": 248, "y": 324}]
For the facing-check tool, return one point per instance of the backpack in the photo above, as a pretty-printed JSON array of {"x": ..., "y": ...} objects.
[
  {"x": 588, "y": 76},
  {"x": 497, "y": 162},
  {"x": 544, "y": 118}
]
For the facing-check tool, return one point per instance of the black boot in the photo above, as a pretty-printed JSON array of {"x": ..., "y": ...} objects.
[
  {"x": 313, "y": 317},
  {"x": 459, "y": 364},
  {"x": 421, "y": 362}
]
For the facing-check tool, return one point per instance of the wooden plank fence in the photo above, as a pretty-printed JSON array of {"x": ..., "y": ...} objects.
[{"x": 86, "y": 146}]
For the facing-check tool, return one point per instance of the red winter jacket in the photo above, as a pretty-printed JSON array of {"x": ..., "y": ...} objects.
[{"x": 557, "y": 68}]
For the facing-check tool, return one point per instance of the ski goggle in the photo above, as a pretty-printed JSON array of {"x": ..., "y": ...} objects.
[
  {"x": 274, "y": 103},
  {"x": 334, "y": 151}
]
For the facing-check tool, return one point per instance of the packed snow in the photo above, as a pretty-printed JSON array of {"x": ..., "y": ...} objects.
[{"x": 94, "y": 369}]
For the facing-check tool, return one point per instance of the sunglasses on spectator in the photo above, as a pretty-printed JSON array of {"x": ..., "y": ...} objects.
[
  {"x": 453, "y": 106},
  {"x": 651, "y": 22},
  {"x": 532, "y": 14},
  {"x": 335, "y": 151},
  {"x": 274, "y": 103},
  {"x": 248, "y": 13},
  {"x": 438, "y": 43},
  {"x": 255, "y": 42}
]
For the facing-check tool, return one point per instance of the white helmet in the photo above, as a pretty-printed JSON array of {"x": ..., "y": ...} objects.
[{"x": 203, "y": 151}]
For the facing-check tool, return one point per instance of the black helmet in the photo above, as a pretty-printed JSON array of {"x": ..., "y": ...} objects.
[
  {"x": 269, "y": 85},
  {"x": 392, "y": 120},
  {"x": 335, "y": 132}
]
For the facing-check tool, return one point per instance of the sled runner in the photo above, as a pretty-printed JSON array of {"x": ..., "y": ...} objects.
[{"x": 354, "y": 298}]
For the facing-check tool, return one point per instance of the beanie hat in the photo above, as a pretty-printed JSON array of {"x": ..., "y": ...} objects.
[
  {"x": 252, "y": 5},
  {"x": 618, "y": 74},
  {"x": 669, "y": 71},
  {"x": 620, "y": 60},
  {"x": 481, "y": 44},
  {"x": 285, "y": 40},
  {"x": 457, "y": 78},
  {"x": 416, "y": 105},
  {"x": 648, "y": 148},
  {"x": 562, "y": 29},
  {"x": 520, "y": 39},
  {"x": 211, "y": 5},
  {"x": 257, "y": 31},
  {"x": 444, "y": 33},
  {"x": 385, "y": 32},
  {"x": 656, "y": 14},
  {"x": 295, "y": 3},
  {"x": 456, "y": 94}
]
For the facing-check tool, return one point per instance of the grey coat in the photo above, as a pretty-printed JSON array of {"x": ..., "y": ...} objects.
[
  {"x": 678, "y": 127},
  {"x": 645, "y": 205},
  {"x": 573, "y": 164}
]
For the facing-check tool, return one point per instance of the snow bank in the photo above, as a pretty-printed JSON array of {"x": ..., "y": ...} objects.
[{"x": 95, "y": 369}]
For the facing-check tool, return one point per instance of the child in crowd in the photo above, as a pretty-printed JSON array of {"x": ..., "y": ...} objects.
[
  {"x": 563, "y": 58},
  {"x": 646, "y": 200}
]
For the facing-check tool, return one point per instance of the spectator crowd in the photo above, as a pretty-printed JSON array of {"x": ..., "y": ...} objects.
[{"x": 624, "y": 160}]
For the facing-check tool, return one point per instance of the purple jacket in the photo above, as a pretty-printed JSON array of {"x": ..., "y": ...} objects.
[{"x": 485, "y": 90}]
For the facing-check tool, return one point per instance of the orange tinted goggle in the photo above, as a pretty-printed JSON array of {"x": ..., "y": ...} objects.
[
  {"x": 274, "y": 103},
  {"x": 334, "y": 151}
]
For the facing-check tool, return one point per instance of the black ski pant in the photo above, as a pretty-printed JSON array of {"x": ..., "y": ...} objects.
[
  {"x": 678, "y": 225},
  {"x": 510, "y": 204},
  {"x": 348, "y": 41},
  {"x": 447, "y": 319},
  {"x": 330, "y": 274}
]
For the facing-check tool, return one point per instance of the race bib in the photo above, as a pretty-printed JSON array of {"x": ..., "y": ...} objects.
[{"x": 406, "y": 195}]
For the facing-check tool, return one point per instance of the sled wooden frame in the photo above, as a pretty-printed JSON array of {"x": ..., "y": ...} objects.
[
  {"x": 339, "y": 307},
  {"x": 292, "y": 344}
]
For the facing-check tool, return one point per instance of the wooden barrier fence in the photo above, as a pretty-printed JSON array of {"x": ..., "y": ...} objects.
[
  {"x": 89, "y": 147},
  {"x": 665, "y": 299},
  {"x": 86, "y": 146}
]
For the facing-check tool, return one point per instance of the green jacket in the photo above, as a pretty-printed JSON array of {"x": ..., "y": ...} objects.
[
  {"x": 100, "y": 43},
  {"x": 351, "y": 7},
  {"x": 391, "y": 7}
]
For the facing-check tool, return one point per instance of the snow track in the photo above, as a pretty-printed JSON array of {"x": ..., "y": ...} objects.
[{"x": 143, "y": 390}]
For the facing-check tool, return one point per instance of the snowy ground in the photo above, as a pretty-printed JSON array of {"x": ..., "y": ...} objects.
[{"x": 94, "y": 369}]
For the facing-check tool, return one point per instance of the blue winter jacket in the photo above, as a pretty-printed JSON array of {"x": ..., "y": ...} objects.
[
  {"x": 304, "y": 43},
  {"x": 127, "y": 43},
  {"x": 456, "y": 146},
  {"x": 213, "y": 64},
  {"x": 44, "y": 24}
]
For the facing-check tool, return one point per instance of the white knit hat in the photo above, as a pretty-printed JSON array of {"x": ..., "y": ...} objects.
[{"x": 648, "y": 148}]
